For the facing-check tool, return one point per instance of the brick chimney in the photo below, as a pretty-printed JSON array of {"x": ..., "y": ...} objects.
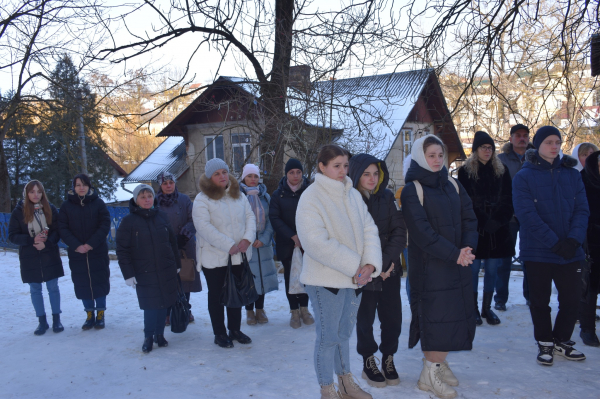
[{"x": 300, "y": 78}]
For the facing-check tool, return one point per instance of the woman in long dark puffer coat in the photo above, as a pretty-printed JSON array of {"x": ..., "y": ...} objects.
[
  {"x": 178, "y": 208},
  {"x": 84, "y": 223},
  {"x": 33, "y": 227},
  {"x": 587, "y": 310},
  {"x": 149, "y": 260},
  {"x": 382, "y": 295},
  {"x": 489, "y": 185},
  {"x": 442, "y": 233}
]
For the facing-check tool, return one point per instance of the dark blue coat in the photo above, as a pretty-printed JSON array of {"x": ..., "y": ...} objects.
[
  {"x": 86, "y": 221},
  {"x": 550, "y": 204}
]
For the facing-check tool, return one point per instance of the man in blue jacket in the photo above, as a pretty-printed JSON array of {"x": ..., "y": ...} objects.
[{"x": 551, "y": 206}]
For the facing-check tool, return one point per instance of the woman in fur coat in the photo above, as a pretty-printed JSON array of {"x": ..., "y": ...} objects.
[
  {"x": 342, "y": 253},
  {"x": 488, "y": 183},
  {"x": 225, "y": 228}
]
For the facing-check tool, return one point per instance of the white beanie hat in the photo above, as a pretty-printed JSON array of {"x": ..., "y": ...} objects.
[
  {"x": 248, "y": 169},
  {"x": 213, "y": 165}
]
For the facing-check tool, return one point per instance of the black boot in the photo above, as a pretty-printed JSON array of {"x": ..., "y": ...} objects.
[
  {"x": 161, "y": 341},
  {"x": 148, "y": 344},
  {"x": 486, "y": 309},
  {"x": 478, "y": 320},
  {"x": 99, "y": 320},
  {"x": 389, "y": 370},
  {"x": 589, "y": 337},
  {"x": 89, "y": 322},
  {"x": 56, "y": 324},
  {"x": 223, "y": 341},
  {"x": 42, "y": 327},
  {"x": 239, "y": 337},
  {"x": 371, "y": 372}
]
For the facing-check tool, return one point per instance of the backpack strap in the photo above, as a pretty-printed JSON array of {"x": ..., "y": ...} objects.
[
  {"x": 419, "y": 188},
  {"x": 451, "y": 179}
]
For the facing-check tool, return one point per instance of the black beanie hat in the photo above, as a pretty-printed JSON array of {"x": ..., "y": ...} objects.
[
  {"x": 293, "y": 164},
  {"x": 482, "y": 138},
  {"x": 543, "y": 133}
]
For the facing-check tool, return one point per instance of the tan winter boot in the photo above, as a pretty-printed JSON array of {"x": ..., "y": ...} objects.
[
  {"x": 307, "y": 318},
  {"x": 295, "y": 319},
  {"x": 431, "y": 380},
  {"x": 329, "y": 392},
  {"x": 261, "y": 316},
  {"x": 447, "y": 375},
  {"x": 250, "y": 318},
  {"x": 349, "y": 389}
]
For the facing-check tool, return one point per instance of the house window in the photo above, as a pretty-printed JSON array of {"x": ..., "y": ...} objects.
[
  {"x": 240, "y": 145},
  {"x": 214, "y": 147},
  {"x": 408, "y": 141}
]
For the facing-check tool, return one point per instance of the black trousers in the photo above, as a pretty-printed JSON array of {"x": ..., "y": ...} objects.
[
  {"x": 567, "y": 279},
  {"x": 388, "y": 305},
  {"x": 260, "y": 303},
  {"x": 215, "y": 278},
  {"x": 154, "y": 322},
  {"x": 587, "y": 306},
  {"x": 295, "y": 300}
]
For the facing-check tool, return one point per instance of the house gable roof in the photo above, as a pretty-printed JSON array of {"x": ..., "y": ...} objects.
[{"x": 169, "y": 156}]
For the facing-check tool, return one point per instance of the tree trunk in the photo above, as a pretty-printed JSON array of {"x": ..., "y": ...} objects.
[{"x": 4, "y": 182}]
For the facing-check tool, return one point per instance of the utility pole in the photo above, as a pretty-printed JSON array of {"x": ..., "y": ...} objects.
[{"x": 81, "y": 133}]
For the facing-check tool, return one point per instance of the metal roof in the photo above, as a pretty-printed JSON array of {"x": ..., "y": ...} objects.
[{"x": 169, "y": 156}]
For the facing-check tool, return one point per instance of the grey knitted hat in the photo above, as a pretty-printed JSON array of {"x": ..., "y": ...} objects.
[
  {"x": 136, "y": 191},
  {"x": 213, "y": 165}
]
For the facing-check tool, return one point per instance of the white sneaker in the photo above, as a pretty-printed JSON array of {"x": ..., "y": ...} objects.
[
  {"x": 447, "y": 375},
  {"x": 431, "y": 380}
]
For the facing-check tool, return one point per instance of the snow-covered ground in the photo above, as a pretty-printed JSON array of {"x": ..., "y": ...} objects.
[{"x": 279, "y": 363}]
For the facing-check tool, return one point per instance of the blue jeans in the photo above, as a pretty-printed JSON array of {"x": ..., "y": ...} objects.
[
  {"x": 35, "y": 289},
  {"x": 154, "y": 322},
  {"x": 335, "y": 317},
  {"x": 405, "y": 252},
  {"x": 90, "y": 305},
  {"x": 491, "y": 270}
]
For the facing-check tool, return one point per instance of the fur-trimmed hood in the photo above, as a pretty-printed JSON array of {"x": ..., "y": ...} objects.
[
  {"x": 508, "y": 147},
  {"x": 533, "y": 158},
  {"x": 212, "y": 191},
  {"x": 472, "y": 165}
]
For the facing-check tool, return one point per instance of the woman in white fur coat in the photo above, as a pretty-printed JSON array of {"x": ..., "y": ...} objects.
[
  {"x": 225, "y": 227},
  {"x": 342, "y": 252}
]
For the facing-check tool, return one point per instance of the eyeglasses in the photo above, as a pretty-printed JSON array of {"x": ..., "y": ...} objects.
[{"x": 486, "y": 148}]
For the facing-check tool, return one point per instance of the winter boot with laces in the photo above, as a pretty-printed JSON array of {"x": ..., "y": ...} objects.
[
  {"x": 447, "y": 374},
  {"x": 371, "y": 372},
  {"x": 261, "y": 316},
  {"x": 99, "y": 320},
  {"x": 329, "y": 392},
  {"x": 56, "y": 324},
  {"x": 431, "y": 380},
  {"x": 349, "y": 389},
  {"x": 486, "y": 309},
  {"x": 250, "y": 318},
  {"x": 307, "y": 318},
  {"x": 389, "y": 370},
  {"x": 89, "y": 322},
  {"x": 545, "y": 355},
  {"x": 295, "y": 319},
  {"x": 566, "y": 350},
  {"x": 42, "y": 327},
  {"x": 478, "y": 320}
]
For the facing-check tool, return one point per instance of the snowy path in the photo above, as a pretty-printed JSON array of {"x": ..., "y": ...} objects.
[{"x": 110, "y": 363}]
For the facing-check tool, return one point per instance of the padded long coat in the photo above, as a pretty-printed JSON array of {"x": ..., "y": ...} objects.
[
  {"x": 441, "y": 290},
  {"x": 591, "y": 180},
  {"x": 147, "y": 250},
  {"x": 86, "y": 221},
  {"x": 36, "y": 266}
]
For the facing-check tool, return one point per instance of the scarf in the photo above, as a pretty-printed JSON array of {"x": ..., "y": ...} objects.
[
  {"x": 253, "y": 194},
  {"x": 38, "y": 223},
  {"x": 296, "y": 187},
  {"x": 167, "y": 200}
]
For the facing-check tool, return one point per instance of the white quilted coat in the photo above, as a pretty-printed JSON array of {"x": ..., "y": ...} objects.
[
  {"x": 219, "y": 225},
  {"x": 337, "y": 233}
]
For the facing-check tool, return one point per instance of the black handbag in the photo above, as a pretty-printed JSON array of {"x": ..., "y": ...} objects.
[
  {"x": 180, "y": 311},
  {"x": 238, "y": 292}
]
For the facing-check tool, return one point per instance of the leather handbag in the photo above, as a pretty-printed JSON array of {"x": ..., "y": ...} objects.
[
  {"x": 188, "y": 268},
  {"x": 180, "y": 311},
  {"x": 239, "y": 291}
]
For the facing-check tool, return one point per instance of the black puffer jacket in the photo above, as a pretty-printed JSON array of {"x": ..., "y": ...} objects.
[
  {"x": 36, "y": 266},
  {"x": 386, "y": 215},
  {"x": 441, "y": 290},
  {"x": 86, "y": 221},
  {"x": 591, "y": 180},
  {"x": 147, "y": 250},
  {"x": 282, "y": 214},
  {"x": 492, "y": 202}
]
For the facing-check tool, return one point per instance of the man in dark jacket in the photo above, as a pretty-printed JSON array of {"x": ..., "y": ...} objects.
[
  {"x": 382, "y": 296},
  {"x": 513, "y": 156}
]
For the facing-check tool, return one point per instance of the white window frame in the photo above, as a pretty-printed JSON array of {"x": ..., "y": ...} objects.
[
  {"x": 407, "y": 143},
  {"x": 246, "y": 149},
  {"x": 212, "y": 139}
]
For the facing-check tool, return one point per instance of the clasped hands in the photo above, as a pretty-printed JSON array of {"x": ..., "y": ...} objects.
[
  {"x": 363, "y": 274},
  {"x": 241, "y": 247},
  {"x": 83, "y": 249},
  {"x": 466, "y": 257},
  {"x": 39, "y": 240}
]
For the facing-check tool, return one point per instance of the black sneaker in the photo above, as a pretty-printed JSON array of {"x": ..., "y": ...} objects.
[
  {"x": 223, "y": 341},
  {"x": 545, "y": 355},
  {"x": 589, "y": 337},
  {"x": 371, "y": 372},
  {"x": 239, "y": 337},
  {"x": 389, "y": 370},
  {"x": 500, "y": 306},
  {"x": 566, "y": 350}
]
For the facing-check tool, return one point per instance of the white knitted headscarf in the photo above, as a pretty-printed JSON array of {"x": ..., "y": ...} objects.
[{"x": 418, "y": 155}]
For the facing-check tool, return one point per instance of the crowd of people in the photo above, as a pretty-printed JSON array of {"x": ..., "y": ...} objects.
[{"x": 352, "y": 232}]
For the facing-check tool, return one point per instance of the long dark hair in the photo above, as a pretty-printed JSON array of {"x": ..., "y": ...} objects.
[
  {"x": 329, "y": 152},
  {"x": 28, "y": 206}
]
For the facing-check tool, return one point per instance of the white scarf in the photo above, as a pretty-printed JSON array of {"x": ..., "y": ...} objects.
[
  {"x": 418, "y": 155},
  {"x": 38, "y": 223}
]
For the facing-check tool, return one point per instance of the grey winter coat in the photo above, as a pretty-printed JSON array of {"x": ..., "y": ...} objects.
[
  {"x": 262, "y": 263},
  {"x": 511, "y": 159}
]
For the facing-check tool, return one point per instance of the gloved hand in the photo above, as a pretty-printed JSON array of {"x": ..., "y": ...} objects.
[
  {"x": 131, "y": 282},
  {"x": 492, "y": 226},
  {"x": 566, "y": 248},
  {"x": 181, "y": 241}
]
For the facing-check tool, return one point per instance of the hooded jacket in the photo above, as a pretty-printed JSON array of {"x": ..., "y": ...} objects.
[
  {"x": 223, "y": 218},
  {"x": 575, "y": 155},
  {"x": 386, "y": 215},
  {"x": 591, "y": 180},
  {"x": 510, "y": 158},
  {"x": 551, "y": 205},
  {"x": 85, "y": 220}
]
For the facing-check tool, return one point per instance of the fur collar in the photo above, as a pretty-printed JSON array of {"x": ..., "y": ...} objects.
[
  {"x": 213, "y": 192},
  {"x": 508, "y": 147},
  {"x": 532, "y": 157},
  {"x": 472, "y": 165}
]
